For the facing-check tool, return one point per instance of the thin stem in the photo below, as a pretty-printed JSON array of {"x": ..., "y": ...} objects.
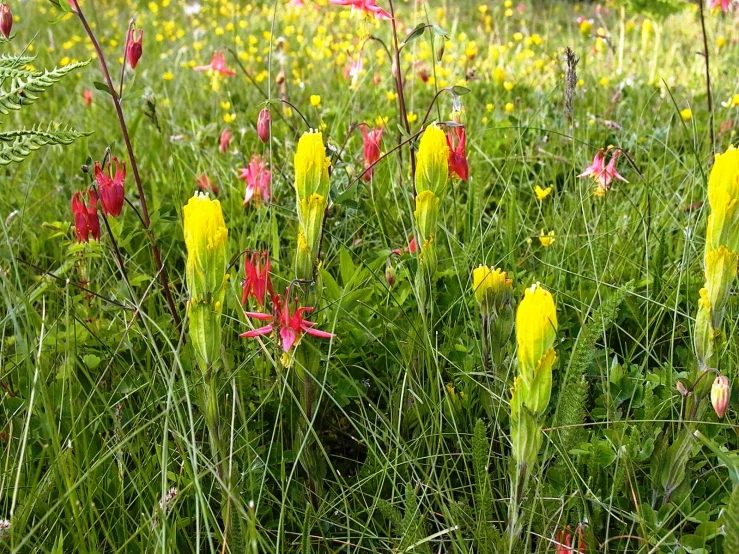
[
  {"x": 397, "y": 74},
  {"x": 709, "y": 96},
  {"x": 161, "y": 270},
  {"x": 125, "y": 52}
]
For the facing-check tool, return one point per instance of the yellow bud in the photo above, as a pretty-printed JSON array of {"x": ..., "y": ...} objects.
[
  {"x": 536, "y": 328},
  {"x": 311, "y": 166}
]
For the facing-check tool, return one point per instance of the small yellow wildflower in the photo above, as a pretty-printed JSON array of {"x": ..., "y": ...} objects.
[
  {"x": 489, "y": 107},
  {"x": 686, "y": 114},
  {"x": 604, "y": 81},
  {"x": 541, "y": 193},
  {"x": 546, "y": 239},
  {"x": 168, "y": 76},
  {"x": 226, "y": 105},
  {"x": 412, "y": 117},
  {"x": 315, "y": 100},
  {"x": 508, "y": 86},
  {"x": 391, "y": 96},
  {"x": 509, "y": 107},
  {"x": 229, "y": 117}
]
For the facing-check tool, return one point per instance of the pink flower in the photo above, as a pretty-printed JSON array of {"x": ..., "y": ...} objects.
[
  {"x": 290, "y": 324},
  {"x": 366, "y": 6},
  {"x": 371, "y": 141},
  {"x": 111, "y": 187},
  {"x": 86, "y": 223},
  {"x": 723, "y": 4},
  {"x": 204, "y": 183},
  {"x": 217, "y": 65},
  {"x": 134, "y": 47},
  {"x": 412, "y": 247},
  {"x": 264, "y": 121},
  {"x": 296, "y": 3},
  {"x": 257, "y": 178},
  {"x": 456, "y": 138},
  {"x": 87, "y": 97},
  {"x": 603, "y": 174},
  {"x": 256, "y": 278},
  {"x": 225, "y": 140},
  {"x": 6, "y": 20}
]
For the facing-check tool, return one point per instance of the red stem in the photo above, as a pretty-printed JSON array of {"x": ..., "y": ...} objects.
[{"x": 161, "y": 270}]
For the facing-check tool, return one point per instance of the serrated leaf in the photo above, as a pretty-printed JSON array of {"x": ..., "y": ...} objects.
[
  {"x": 25, "y": 87},
  {"x": 15, "y": 146}
]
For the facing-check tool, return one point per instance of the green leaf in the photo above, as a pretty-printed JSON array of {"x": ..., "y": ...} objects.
[
  {"x": 731, "y": 522},
  {"x": 460, "y": 90},
  {"x": 15, "y": 146},
  {"x": 102, "y": 87},
  {"x": 414, "y": 34},
  {"x": 91, "y": 361},
  {"x": 25, "y": 87}
]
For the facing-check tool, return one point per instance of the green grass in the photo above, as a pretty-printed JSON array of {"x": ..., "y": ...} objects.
[{"x": 407, "y": 449}]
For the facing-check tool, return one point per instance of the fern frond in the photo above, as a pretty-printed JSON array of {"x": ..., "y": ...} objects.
[
  {"x": 731, "y": 522},
  {"x": 15, "y": 146},
  {"x": 26, "y": 86},
  {"x": 573, "y": 391},
  {"x": 11, "y": 66}
]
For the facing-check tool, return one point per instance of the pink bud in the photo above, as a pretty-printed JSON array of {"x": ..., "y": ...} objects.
[
  {"x": 390, "y": 275},
  {"x": 6, "y": 19},
  {"x": 134, "y": 47},
  {"x": 263, "y": 124},
  {"x": 225, "y": 140},
  {"x": 720, "y": 394}
]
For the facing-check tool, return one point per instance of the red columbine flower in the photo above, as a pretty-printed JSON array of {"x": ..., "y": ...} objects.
[
  {"x": 6, "y": 20},
  {"x": 456, "y": 138},
  {"x": 412, "y": 247},
  {"x": 366, "y": 6},
  {"x": 224, "y": 140},
  {"x": 256, "y": 282},
  {"x": 217, "y": 65},
  {"x": 290, "y": 324},
  {"x": 86, "y": 224},
  {"x": 257, "y": 178},
  {"x": 134, "y": 46},
  {"x": 111, "y": 188},
  {"x": 723, "y": 4},
  {"x": 371, "y": 141},
  {"x": 263, "y": 124},
  {"x": 204, "y": 183},
  {"x": 603, "y": 174}
]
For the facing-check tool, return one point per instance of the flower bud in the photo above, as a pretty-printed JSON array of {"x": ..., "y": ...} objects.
[
  {"x": 264, "y": 122},
  {"x": 492, "y": 289},
  {"x": 720, "y": 395},
  {"x": 391, "y": 275},
  {"x": 134, "y": 47},
  {"x": 6, "y": 19}
]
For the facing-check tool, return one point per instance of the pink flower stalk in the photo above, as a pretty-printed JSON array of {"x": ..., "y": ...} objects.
[
  {"x": 290, "y": 324},
  {"x": 204, "y": 183},
  {"x": 257, "y": 282},
  {"x": 603, "y": 174},
  {"x": 217, "y": 65},
  {"x": 371, "y": 143},
  {"x": 264, "y": 122},
  {"x": 111, "y": 187},
  {"x": 456, "y": 138},
  {"x": 134, "y": 47},
  {"x": 257, "y": 178},
  {"x": 723, "y": 4},
  {"x": 86, "y": 223},
  {"x": 366, "y": 6},
  {"x": 224, "y": 140}
]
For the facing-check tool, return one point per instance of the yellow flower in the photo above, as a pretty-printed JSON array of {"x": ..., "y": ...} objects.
[
  {"x": 604, "y": 81},
  {"x": 315, "y": 100},
  {"x": 509, "y": 107},
  {"x": 311, "y": 166},
  {"x": 411, "y": 117},
  {"x": 508, "y": 86},
  {"x": 499, "y": 74},
  {"x": 536, "y": 328},
  {"x": 391, "y": 96},
  {"x": 723, "y": 197},
  {"x": 168, "y": 76},
  {"x": 548, "y": 239},
  {"x": 686, "y": 114},
  {"x": 541, "y": 193},
  {"x": 205, "y": 238},
  {"x": 586, "y": 26},
  {"x": 492, "y": 287},
  {"x": 226, "y": 105},
  {"x": 229, "y": 117},
  {"x": 432, "y": 161},
  {"x": 489, "y": 107}
]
